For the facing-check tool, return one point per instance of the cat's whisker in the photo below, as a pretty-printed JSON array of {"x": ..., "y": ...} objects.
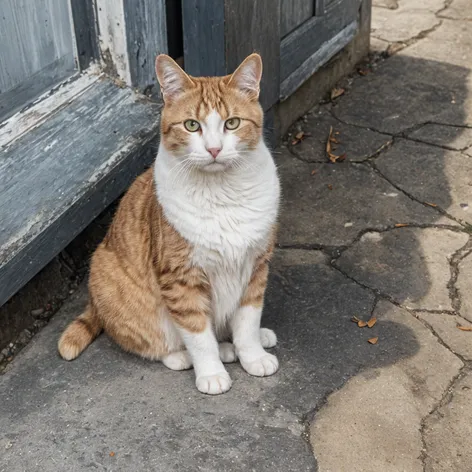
[{"x": 180, "y": 167}]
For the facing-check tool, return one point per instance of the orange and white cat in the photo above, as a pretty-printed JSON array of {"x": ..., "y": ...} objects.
[{"x": 184, "y": 264}]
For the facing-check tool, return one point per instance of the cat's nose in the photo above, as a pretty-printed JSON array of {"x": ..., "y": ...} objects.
[{"x": 214, "y": 151}]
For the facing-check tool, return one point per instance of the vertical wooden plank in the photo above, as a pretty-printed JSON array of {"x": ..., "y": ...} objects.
[
  {"x": 293, "y": 13},
  {"x": 85, "y": 30},
  {"x": 254, "y": 26},
  {"x": 146, "y": 36},
  {"x": 112, "y": 39},
  {"x": 204, "y": 37},
  {"x": 320, "y": 7},
  {"x": 33, "y": 35}
]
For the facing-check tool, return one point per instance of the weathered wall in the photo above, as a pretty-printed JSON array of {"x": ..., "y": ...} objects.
[{"x": 313, "y": 90}]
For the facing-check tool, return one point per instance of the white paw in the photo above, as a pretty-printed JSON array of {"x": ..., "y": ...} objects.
[
  {"x": 227, "y": 353},
  {"x": 268, "y": 337},
  {"x": 263, "y": 366},
  {"x": 214, "y": 384},
  {"x": 179, "y": 360}
]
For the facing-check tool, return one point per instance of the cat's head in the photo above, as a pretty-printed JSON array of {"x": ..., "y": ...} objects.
[{"x": 212, "y": 122}]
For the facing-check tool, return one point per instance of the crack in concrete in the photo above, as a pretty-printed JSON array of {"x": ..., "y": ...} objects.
[
  {"x": 397, "y": 46},
  {"x": 356, "y": 125},
  {"x": 441, "y": 146},
  {"x": 446, "y": 5},
  {"x": 445, "y": 400},
  {"x": 456, "y": 259},
  {"x": 433, "y": 312},
  {"x": 438, "y": 338},
  {"x": 411, "y": 197}
]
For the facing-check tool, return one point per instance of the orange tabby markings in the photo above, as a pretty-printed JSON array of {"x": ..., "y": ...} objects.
[{"x": 146, "y": 290}]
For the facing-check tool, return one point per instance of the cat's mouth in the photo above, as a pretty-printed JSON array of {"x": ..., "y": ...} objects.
[{"x": 215, "y": 166}]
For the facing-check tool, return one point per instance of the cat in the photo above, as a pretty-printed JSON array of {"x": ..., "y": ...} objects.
[{"x": 184, "y": 264}]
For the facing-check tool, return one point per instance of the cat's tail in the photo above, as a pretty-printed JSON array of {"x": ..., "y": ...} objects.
[{"x": 79, "y": 334}]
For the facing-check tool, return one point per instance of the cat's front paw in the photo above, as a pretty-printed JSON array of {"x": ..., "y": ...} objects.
[
  {"x": 214, "y": 384},
  {"x": 262, "y": 366}
]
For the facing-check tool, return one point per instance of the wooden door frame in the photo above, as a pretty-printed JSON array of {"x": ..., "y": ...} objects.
[{"x": 219, "y": 34}]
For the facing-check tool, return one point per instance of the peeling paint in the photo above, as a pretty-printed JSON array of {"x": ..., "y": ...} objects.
[{"x": 46, "y": 106}]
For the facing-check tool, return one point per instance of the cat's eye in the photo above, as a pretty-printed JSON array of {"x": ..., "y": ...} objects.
[
  {"x": 192, "y": 125},
  {"x": 232, "y": 123}
]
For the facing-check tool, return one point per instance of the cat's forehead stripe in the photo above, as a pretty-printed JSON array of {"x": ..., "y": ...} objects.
[{"x": 211, "y": 98}]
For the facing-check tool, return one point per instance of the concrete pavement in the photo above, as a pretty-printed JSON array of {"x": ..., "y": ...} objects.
[{"x": 384, "y": 233}]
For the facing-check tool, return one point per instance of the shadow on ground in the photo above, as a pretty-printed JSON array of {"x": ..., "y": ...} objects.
[{"x": 112, "y": 411}]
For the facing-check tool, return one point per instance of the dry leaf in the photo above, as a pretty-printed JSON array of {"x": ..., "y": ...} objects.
[
  {"x": 112, "y": 454},
  {"x": 330, "y": 186},
  {"x": 355, "y": 319},
  {"x": 464, "y": 328},
  {"x": 373, "y": 340},
  {"x": 334, "y": 158},
  {"x": 328, "y": 143},
  {"x": 361, "y": 324},
  {"x": 337, "y": 92},
  {"x": 364, "y": 71},
  {"x": 331, "y": 139},
  {"x": 372, "y": 322},
  {"x": 313, "y": 172},
  {"x": 401, "y": 225},
  {"x": 300, "y": 135},
  {"x": 431, "y": 204}
]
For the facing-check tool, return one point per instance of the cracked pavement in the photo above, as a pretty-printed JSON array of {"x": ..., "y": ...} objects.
[{"x": 384, "y": 233}]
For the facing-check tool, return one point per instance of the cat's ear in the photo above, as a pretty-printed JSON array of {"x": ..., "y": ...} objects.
[
  {"x": 172, "y": 79},
  {"x": 248, "y": 75}
]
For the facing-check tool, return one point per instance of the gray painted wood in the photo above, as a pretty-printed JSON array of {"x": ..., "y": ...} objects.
[
  {"x": 204, "y": 37},
  {"x": 219, "y": 34},
  {"x": 33, "y": 35},
  {"x": 85, "y": 29},
  {"x": 255, "y": 27},
  {"x": 57, "y": 178},
  {"x": 298, "y": 46},
  {"x": 320, "y": 7},
  {"x": 317, "y": 60},
  {"x": 293, "y": 13},
  {"x": 36, "y": 50},
  {"x": 146, "y": 37},
  {"x": 21, "y": 96}
]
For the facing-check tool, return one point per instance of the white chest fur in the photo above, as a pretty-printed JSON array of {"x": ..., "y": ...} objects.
[{"x": 227, "y": 217}]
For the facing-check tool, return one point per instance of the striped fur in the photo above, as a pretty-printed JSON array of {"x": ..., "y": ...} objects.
[{"x": 184, "y": 264}]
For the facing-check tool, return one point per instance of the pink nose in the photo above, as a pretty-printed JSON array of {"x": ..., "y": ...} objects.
[{"x": 214, "y": 151}]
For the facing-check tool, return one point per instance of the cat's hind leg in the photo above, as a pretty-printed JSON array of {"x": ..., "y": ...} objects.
[
  {"x": 180, "y": 360},
  {"x": 227, "y": 353},
  {"x": 268, "y": 338}
]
